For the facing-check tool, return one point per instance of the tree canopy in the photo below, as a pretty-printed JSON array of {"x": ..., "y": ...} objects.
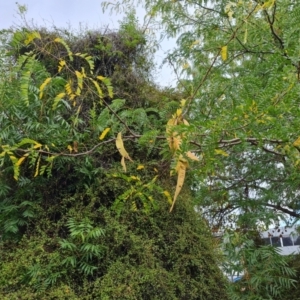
[
  {"x": 238, "y": 63},
  {"x": 87, "y": 138},
  {"x": 85, "y": 184}
]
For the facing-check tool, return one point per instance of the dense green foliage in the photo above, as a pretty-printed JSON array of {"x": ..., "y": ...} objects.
[
  {"x": 74, "y": 224},
  {"x": 135, "y": 256},
  {"x": 265, "y": 273},
  {"x": 238, "y": 62},
  {"x": 78, "y": 111},
  {"x": 293, "y": 293}
]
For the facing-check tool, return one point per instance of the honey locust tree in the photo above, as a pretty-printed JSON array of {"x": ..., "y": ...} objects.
[
  {"x": 87, "y": 143},
  {"x": 238, "y": 61},
  {"x": 238, "y": 64}
]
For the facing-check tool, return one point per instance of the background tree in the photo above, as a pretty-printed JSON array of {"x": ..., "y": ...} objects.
[
  {"x": 242, "y": 67},
  {"x": 239, "y": 63}
]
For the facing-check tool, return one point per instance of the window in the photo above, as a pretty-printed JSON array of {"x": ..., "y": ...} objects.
[
  {"x": 287, "y": 241},
  {"x": 276, "y": 241},
  {"x": 267, "y": 241},
  {"x": 296, "y": 240}
]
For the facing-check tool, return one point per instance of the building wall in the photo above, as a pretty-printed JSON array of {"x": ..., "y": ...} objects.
[{"x": 286, "y": 238}]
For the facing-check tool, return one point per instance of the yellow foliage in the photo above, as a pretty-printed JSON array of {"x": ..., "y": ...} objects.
[
  {"x": 31, "y": 36},
  {"x": 268, "y": 4},
  {"x": 19, "y": 162},
  {"x": 80, "y": 77},
  {"x": 37, "y": 145},
  {"x": 182, "y": 102},
  {"x": 297, "y": 142},
  {"x": 37, "y": 166},
  {"x": 221, "y": 152},
  {"x": 197, "y": 42},
  {"x": 104, "y": 133},
  {"x": 122, "y": 150},
  {"x": 167, "y": 194},
  {"x": 61, "y": 64},
  {"x": 100, "y": 93},
  {"x": 43, "y": 86},
  {"x": 174, "y": 140},
  {"x": 62, "y": 42},
  {"x": 185, "y": 65},
  {"x": 181, "y": 169},
  {"x": 68, "y": 87},
  {"x": 57, "y": 99},
  {"x": 192, "y": 156},
  {"x": 224, "y": 52}
]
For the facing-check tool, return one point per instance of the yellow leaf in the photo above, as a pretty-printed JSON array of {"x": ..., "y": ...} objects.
[
  {"x": 37, "y": 145},
  {"x": 268, "y": 4},
  {"x": 179, "y": 112},
  {"x": 70, "y": 148},
  {"x": 182, "y": 102},
  {"x": 154, "y": 178},
  {"x": 104, "y": 133},
  {"x": 192, "y": 156},
  {"x": 120, "y": 146},
  {"x": 297, "y": 142},
  {"x": 172, "y": 122},
  {"x": 185, "y": 65},
  {"x": 19, "y": 162},
  {"x": 245, "y": 36},
  {"x": 175, "y": 142},
  {"x": 123, "y": 164},
  {"x": 221, "y": 152},
  {"x": 140, "y": 167},
  {"x": 61, "y": 64},
  {"x": 181, "y": 169},
  {"x": 31, "y": 36},
  {"x": 194, "y": 43},
  {"x": 123, "y": 152},
  {"x": 230, "y": 14},
  {"x": 99, "y": 90},
  {"x": 61, "y": 41},
  {"x": 79, "y": 82},
  {"x": 83, "y": 72},
  {"x": 182, "y": 160},
  {"x": 43, "y": 86},
  {"x": 108, "y": 85},
  {"x": 57, "y": 99},
  {"x": 167, "y": 194},
  {"x": 224, "y": 52},
  {"x": 150, "y": 198},
  {"x": 135, "y": 177},
  {"x": 69, "y": 88},
  {"x": 185, "y": 122},
  {"x": 37, "y": 166}
]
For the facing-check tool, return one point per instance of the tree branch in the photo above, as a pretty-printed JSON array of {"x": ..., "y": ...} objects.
[{"x": 285, "y": 210}]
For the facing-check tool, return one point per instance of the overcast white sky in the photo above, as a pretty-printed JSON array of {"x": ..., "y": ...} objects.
[{"x": 64, "y": 13}]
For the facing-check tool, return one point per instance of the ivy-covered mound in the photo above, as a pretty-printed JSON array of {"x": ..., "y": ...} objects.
[
  {"x": 137, "y": 255},
  {"x": 77, "y": 222}
]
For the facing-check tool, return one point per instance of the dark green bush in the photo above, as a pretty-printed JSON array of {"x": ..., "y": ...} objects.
[{"x": 155, "y": 255}]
